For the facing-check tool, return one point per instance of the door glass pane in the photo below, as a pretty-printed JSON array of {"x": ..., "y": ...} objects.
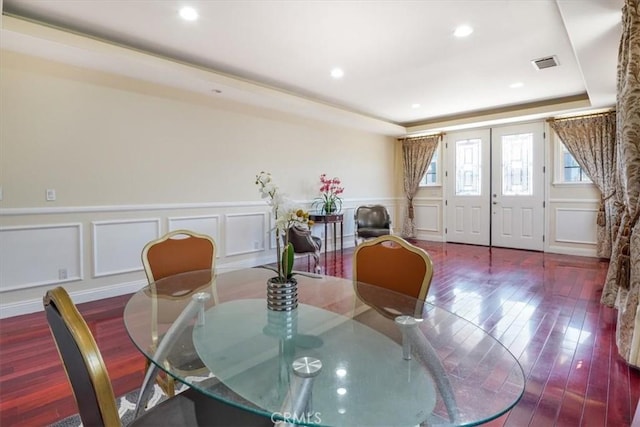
[
  {"x": 468, "y": 167},
  {"x": 517, "y": 165}
]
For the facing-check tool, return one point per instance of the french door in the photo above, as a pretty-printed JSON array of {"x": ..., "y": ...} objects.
[
  {"x": 495, "y": 187},
  {"x": 467, "y": 204}
]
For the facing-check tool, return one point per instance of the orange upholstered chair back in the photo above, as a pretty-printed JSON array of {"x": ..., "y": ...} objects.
[
  {"x": 393, "y": 263},
  {"x": 178, "y": 252}
]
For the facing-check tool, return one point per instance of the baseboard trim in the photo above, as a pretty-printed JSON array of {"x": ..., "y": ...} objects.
[
  {"x": 19, "y": 308},
  {"x": 563, "y": 250},
  {"x": 35, "y": 305}
]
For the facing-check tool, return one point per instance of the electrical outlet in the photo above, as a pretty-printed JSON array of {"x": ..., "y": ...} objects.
[
  {"x": 51, "y": 194},
  {"x": 62, "y": 273},
  {"x": 256, "y": 244}
]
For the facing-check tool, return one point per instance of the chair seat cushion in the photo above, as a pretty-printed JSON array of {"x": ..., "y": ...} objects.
[{"x": 372, "y": 232}]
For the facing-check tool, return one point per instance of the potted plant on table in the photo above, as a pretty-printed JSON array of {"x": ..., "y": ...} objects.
[
  {"x": 282, "y": 289},
  {"x": 329, "y": 201}
]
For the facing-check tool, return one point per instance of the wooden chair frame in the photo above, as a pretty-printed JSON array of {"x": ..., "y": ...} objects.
[{"x": 58, "y": 299}]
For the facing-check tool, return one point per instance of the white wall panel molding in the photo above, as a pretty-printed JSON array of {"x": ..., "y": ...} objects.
[
  {"x": 427, "y": 217},
  {"x": 56, "y": 210},
  {"x": 203, "y": 224},
  {"x": 35, "y": 305},
  {"x": 245, "y": 233},
  {"x": 427, "y": 199},
  {"x": 574, "y": 201},
  {"x": 117, "y": 244},
  {"x": 39, "y": 255},
  {"x": 124, "y": 208},
  {"x": 576, "y": 225}
]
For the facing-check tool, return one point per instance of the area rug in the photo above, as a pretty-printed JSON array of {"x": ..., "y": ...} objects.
[{"x": 126, "y": 407}]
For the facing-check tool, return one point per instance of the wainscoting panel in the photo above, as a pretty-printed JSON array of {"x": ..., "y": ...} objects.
[
  {"x": 40, "y": 255},
  {"x": 117, "y": 245},
  {"x": 476, "y": 220},
  {"x": 206, "y": 224},
  {"x": 527, "y": 222},
  {"x": 245, "y": 233},
  {"x": 427, "y": 217},
  {"x": 576, "y": 225}
]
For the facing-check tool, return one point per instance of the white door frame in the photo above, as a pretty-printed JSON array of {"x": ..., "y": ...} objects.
[{"x": 473, "y": 219}]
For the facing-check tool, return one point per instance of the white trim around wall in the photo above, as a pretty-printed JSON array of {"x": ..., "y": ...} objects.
[{"x": 163, "y": 206}]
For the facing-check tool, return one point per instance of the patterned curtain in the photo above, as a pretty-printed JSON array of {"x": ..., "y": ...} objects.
[
  {"x": 416, "y": 157},
  {"x": 591, "y": 140},
  {"x": 622, "y": 287}
]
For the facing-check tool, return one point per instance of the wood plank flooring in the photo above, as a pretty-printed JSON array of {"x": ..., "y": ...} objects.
[{"x": 544, "y": 307}]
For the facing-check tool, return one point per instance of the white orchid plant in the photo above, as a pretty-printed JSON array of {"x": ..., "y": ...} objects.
[{"x": 286, "y": 215}]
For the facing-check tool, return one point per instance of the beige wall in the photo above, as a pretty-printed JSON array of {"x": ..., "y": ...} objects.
[
  {"x": 100, "y": 139},
  {"x": 117, "y": 150}
]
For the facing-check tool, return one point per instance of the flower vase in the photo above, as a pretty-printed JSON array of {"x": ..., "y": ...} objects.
[
  {"x": 329, "y": 208},
  {"x": 282, "y": 296}
]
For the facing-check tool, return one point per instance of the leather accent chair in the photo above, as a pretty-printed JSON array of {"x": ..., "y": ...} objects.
[
  {"x": 306, "y": 244},
  {"x": 93, "y": 391},
  {"x": 371, "y": 221}
]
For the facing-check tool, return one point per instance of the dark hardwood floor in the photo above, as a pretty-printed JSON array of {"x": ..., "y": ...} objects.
[{"x": 545, "y": 308}]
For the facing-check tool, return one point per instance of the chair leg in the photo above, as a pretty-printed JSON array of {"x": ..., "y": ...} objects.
[{"x": 166, "y": 382}]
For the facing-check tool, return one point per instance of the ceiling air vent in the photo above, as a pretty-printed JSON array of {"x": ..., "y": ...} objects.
[{"x": 546, "y": 62}]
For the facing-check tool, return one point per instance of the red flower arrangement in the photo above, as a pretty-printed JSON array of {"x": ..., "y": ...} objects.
[{"x": 329, "y": 201}]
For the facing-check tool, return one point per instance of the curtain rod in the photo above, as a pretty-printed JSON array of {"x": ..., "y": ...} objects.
[
  {"x": 605, "y": 113},
  {"x": 409, "y": 138}
]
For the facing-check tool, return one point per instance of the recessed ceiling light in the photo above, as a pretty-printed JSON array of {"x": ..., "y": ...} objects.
[
  {"x": 463, "y": 31},
  {"x": 188, "y": 14},
  {"x": 516, "y": 85},
  {"x": 415, "y": 105},
  {"x": 337, "y": 73}
]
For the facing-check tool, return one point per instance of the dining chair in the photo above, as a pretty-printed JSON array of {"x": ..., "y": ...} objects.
[
  {"x": 371, "y": 221},
  {"x": 306, "y": 244},
  {"x": 176, "y": 252},
  {"x": 393, "y": 263},
  {"x": 93, "y": 391}
]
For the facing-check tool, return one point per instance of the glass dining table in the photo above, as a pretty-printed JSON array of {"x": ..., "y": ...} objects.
[{"x": 350, "y": 354}]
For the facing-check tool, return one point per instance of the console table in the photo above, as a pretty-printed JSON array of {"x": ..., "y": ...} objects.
[{"x": 326, "y": 219}]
